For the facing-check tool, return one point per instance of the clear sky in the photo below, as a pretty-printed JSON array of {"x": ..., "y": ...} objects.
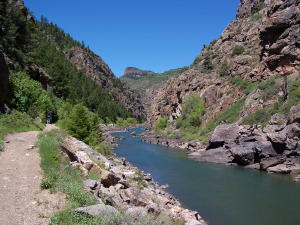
[{"x": 153, "y": 35}]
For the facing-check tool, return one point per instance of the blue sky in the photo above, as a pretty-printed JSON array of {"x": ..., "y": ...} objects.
[{"x": 154, "y": 35}]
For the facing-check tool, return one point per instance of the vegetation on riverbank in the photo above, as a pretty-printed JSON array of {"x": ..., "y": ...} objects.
[
  {"x": 60, "y": 176},
  {"x": 189, "y": 123},
  {"x": 16, "y": 122}
]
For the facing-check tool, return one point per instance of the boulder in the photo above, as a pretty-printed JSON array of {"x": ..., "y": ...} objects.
[
  {"x": 255, "y": 166},
  {"x": 270, "y": 162},
  {"x": 136, "y": 212},
  {"x": 217, "y": 155},
  {"x": 4, "y": 73},
  {"x": 243, "y": 155},
  {"x": 99, "y": 210},
  {"x": 277, "y": 119},
  {"x": 109, "y": 179},
  {"x": 90, "y": 184},
  {"x": 223, "y": 134},
  {"x": 280, "y": 168},
  {"x": 273, "y": 128},
  {"x": 294, "y": 114},
  {"x": 292, "y": 130},
  {"x": 265, "y": 149}
]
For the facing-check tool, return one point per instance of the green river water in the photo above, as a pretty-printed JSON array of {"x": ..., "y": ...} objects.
[{"x": 222, "y": 195}]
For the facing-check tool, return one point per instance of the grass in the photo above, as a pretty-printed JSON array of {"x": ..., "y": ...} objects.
[
  {"x": 238, "y": 50},
  {"x": 72, "y": 218},
  {"x": 16, "y": 122},
  {"x": 256, "y": 16},
  {"x": 139, "y": 179},
  {"x": 230, "y": 115},
  {"x": 59, "y": 176}
]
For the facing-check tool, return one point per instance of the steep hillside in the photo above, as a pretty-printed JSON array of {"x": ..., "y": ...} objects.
[
  {"x": 246, "y": 75},
  {"x": 63, "y": 65}
]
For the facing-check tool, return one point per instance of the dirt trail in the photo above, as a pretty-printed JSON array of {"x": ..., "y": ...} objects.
[{"x": 22, "y": 202}]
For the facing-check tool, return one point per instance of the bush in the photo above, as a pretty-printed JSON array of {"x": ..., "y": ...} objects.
[
  {"x": 161, "y": 123},
  {"x": 238, "y": 50},
  {"x": 29, "y": 96},
  {"x": 192, "y": 111},
  {"x": 207, "y": 63},
  {"x": 224, "y": 69}
]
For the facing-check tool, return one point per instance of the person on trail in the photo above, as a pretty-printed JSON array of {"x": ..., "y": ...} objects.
[{"x": 49, "y": 116}]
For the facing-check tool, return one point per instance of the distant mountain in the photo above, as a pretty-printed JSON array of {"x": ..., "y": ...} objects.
[
  {"x": 135, "y": 73},
  {"x": 147, "y": 83}
]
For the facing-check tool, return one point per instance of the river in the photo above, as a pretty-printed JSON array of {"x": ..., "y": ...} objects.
[{"x": 222, "y": 195}]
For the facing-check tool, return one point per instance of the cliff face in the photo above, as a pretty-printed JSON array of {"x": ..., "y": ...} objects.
[{"x": 262, "y": 42}]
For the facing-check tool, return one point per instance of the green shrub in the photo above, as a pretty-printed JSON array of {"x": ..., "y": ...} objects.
[
  {"x": 207, "y": 63},
  {"x": 238, "y": 50},
  {"x": 224, "y": 69},
  {"x": 231, "y": 115},
  {"x": 82, "y": 124},
  {"x": 193, "y": 109},
  {"x": 126, "y": 122},
  {"x": 256, "y": 16},
  {"x": 29, "y": 96},
  {"x": 161, "y": 123}
]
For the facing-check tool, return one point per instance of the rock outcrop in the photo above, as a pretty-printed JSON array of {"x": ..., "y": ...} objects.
[
  {"x": 122, "y": 188},
  {"x": 274, "y": 148},
  {"x": 263, "y": 41},
  {"x": 4, "y": 75}
]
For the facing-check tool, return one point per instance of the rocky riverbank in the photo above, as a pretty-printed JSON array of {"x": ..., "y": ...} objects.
[
  {"x": 149, "y": 136},
  {"x": 122, "y": 187},
  {"x": 274, "y": 148}
]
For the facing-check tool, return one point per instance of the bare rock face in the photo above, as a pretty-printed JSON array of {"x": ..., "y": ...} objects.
[
  {"x": 40, "y": 75},
  {"x": 280, "y": 37},
  {"x": 4, "y": 74},
  {"x": 248, "y": 7},
  {"x": 218, "y": 95}
]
